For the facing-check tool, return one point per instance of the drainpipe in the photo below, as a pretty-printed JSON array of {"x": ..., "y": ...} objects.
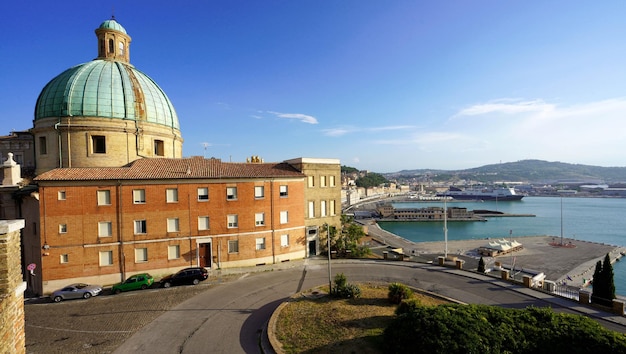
[
  {"x": 56, "y": 127},
  {"x": 272, "y": 218},
  {"x": 122, "y": 258}
]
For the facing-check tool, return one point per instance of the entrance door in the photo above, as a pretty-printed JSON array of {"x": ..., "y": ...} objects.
[
  {"x": 312, "y": 248},
  {"x": 205, "y": 255}
]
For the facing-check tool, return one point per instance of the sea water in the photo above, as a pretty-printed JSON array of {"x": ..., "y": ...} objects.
[{"x": 600, "y": 220}]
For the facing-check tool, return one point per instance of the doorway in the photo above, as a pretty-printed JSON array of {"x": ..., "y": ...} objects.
[
  {"x": 312, "y": 248},
  {"x": 205, "y": 254}
]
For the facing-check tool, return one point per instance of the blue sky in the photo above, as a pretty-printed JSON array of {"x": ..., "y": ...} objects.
[{"x": 380, "y": 85}]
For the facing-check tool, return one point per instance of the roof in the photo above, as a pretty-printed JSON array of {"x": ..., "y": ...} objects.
[
  {"x": 162, "y": 168},
  {"x": 109, "y": 89},
  {"x": 112, "y": 24}
]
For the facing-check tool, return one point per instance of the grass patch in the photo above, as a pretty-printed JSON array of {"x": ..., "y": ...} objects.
[{"x": 313, "y": 322}]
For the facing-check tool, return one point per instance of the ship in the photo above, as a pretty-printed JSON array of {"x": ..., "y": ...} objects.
[{"x": 502, "y": 194}]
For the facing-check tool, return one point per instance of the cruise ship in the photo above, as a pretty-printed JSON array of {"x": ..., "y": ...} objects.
[{"x": 502, "y": 194}]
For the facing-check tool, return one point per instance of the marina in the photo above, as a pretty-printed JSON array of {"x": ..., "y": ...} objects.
[{"x": 581, "y": 221}]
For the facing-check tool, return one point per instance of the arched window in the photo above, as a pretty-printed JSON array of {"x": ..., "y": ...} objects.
[
  {"x": 121, "y": 46},
  {"x": 102, "y": 47},
  {"x": 111, "y": 46}
]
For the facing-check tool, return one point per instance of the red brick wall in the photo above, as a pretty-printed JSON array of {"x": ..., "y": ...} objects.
[{"x": 80, "y": 212}]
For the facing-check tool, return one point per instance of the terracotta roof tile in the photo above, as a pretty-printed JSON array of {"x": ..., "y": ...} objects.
[{"x": 162, "y": 168}]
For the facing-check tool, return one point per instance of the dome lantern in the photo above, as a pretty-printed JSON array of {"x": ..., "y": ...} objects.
[{"x": 113, "y": 41}]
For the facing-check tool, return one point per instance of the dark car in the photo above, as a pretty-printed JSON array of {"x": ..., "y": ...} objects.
[{"x": 192, "y": 275}]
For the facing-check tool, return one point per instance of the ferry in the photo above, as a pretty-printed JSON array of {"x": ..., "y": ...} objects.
[{"x": 503, "y": 194}]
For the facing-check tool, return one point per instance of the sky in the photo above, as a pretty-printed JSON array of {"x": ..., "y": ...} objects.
[{"x": 381, "y": 85}]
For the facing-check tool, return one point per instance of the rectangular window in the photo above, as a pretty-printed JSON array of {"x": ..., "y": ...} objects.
[
  {"x": 61, "y": 195},
  {"x": 106, "y": 258},
  {"x": 105, "y": 229},
  {"x": 259, "y": 219},
  {"x": 332, "y": 208},
  {"x": 171, "y": 195},
  {"x": 203, "y": 222},
  {"x": 231, "y": 193},
  {"x": 322, "y": 181},
  {"x": 99, "y": 145},
  {"x": 323, "y": 208},
  {"x": 62, "y": 228},
  {"x": 283, "y": 191},
  {"x": 284, "y": 240},
  {"x": 104, "y": 197},
  {"x": 259, "y": 192},
  {"x": 311, "y": 209},
  {"x": 141, "y": 255},
  {"x": 203, "y": 193},
  {"x": 311, "y": 180},
  {"x": 332, "y": 181},
  {"x": 43, "y": 146},
  {"x": 173, "y": 225},
  {"x": 173, "y": 252},
  {"x": 140, "y": 227},
  {"x": 139, "y": 196},
  {"x": 65, "y": 258},
  {"x": 233, "y": 246},
  {"x": 284, "y": 217},
  {"x": 260, "y": 243},
  {"x": 159, "y": 148},
  {"x": 232, "y": 221}
]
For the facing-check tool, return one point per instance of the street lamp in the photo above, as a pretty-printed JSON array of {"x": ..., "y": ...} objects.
[
  {"x": 445, "y": 227},
  {"x": 330, "y": 282}
]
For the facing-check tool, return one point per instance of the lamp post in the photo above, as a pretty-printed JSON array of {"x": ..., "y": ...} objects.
[
  {"x": 445, "y": 227},
  {"x": 330, "y": 282}
]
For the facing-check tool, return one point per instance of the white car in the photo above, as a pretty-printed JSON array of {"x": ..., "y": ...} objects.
[{"x": 76, "y": 291}]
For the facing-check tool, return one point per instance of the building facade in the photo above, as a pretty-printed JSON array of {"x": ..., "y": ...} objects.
[
  {"x": 322, "y": 199},
  {"x": 160, "y": 215}
]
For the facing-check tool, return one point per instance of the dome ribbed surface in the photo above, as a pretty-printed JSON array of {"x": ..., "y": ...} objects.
[
  {"x": 105, "y": 88},
  {"x": 113, "y": 25}
]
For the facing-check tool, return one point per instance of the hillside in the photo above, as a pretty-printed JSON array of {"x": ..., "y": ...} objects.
[{"x": 531, "y": 171}]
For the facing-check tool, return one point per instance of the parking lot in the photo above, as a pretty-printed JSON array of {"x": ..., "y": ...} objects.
[{"x": 102, "y": 323}]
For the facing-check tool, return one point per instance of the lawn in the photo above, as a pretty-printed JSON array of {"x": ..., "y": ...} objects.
[{"x": 313, "y": 322}]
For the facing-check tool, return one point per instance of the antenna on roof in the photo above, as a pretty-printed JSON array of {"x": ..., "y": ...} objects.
[{"x": 113, "y": 12}]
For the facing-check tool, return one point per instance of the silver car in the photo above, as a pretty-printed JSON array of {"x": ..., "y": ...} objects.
[{"x": 76, "y": 291}]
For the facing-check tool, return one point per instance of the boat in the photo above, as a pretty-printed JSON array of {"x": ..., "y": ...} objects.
[{"x": 500, "y": 193}]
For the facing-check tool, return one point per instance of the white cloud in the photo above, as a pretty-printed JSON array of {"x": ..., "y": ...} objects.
[
  {"x": 299, "y": 116},
  {"x": 391, "y": 127},
  {"x": 336, "y": 131},
  {"x": 506, "y": 106}
]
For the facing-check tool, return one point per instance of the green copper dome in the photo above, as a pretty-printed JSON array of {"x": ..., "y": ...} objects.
[
  {"x": 113, "y": 25},
  {"x": 109, "y": 89}
]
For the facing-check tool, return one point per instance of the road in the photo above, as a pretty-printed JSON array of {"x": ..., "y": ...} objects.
[{"x": 229, "y": 318}]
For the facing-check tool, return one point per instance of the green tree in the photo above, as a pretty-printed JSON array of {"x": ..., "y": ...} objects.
[
  {"x": 481, "y": 265},
  {"x": 608, "y": 278},
  {"x": 371, "y": 180},
  {"x": 597, "y": 290}
]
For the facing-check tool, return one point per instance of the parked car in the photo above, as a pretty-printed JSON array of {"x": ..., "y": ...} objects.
[
  {"x": 192, "y": 275},
  {"x": 76, "y": 291},
  {"x": 135, "y": 282}
]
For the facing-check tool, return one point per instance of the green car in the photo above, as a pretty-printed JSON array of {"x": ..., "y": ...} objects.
[{"x": 135, "y": 282}]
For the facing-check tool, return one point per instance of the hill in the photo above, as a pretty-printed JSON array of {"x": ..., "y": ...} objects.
[{"x": 530, "y": 171}]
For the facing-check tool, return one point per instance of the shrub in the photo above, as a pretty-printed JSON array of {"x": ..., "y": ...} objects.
[
  {"x": 343, "y": 289},
  {"x": 481, "y": 265},
  {"x": 398, "y": 292}
]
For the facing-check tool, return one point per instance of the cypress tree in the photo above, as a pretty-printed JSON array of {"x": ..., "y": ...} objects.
[
  {"x": 607, "y": 278},
  {"x": 481, "y": 265},
  {"x": 597, "y": 282}
]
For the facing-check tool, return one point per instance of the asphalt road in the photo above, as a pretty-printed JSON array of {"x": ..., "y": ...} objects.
[{"x": 229, "y": 318}]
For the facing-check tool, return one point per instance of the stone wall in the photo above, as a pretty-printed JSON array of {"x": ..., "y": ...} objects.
[{"x": 12, "y": 339}]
